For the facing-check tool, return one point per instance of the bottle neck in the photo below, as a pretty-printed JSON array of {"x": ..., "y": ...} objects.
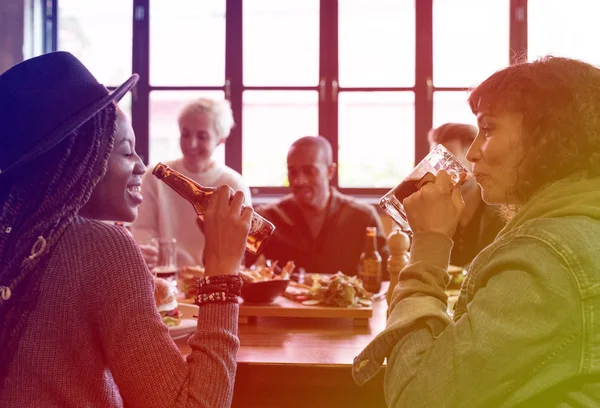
[
  {"x": 370, "y": 243},
  {"x": 184, "y": 186}
]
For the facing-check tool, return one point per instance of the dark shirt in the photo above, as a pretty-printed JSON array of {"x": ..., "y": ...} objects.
[
  {"x": 339, "y": 243},
  {"x": 476, "y": 235}
]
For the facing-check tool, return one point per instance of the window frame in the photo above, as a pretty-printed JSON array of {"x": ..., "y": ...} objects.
[{"x": 327, "y": 88}]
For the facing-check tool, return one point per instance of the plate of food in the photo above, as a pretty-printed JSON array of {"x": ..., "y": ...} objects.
[
  {"x": 188, "y": 322},
  {"x": 188, "y": 276},
  {"x": 178, "y": 317},
  {"x": 337, "y": 290},
  {"x": 265, "y": 281}
]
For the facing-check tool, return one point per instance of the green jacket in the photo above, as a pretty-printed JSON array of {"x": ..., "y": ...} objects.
[{"x": 526, "y": 328}]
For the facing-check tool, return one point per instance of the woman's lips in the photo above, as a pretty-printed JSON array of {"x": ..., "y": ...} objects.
[
  {"x": 479, "y": 177},
  {"x": 135, "y": 192}
]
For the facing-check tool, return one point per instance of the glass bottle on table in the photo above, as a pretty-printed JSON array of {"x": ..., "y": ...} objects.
[
  {"x": 369, "y": 270},
  {"x": 166, "y": 267},
  {"x": 199, "y": 196}
]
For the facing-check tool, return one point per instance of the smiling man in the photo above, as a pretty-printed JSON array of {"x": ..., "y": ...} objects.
[{"x": 317, "y": 227}]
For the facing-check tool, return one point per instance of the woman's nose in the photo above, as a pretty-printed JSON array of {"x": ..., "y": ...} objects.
[
  {"x": 474, "y": 152},
  {"x": 140, "y": 167}
]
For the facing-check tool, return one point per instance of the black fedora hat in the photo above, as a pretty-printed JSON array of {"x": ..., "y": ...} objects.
[{"x": 43, "y": 100}]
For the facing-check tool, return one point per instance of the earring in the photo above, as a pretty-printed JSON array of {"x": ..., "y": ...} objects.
[
  {"x": 38, "y": 248},
  {"x": 5, "y": 292}
]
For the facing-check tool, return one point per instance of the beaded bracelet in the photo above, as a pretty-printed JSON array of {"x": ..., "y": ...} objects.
[
  {"x": 220, "y": 283},
  {"x": 215, "y": 279},
  {"x": 219, "y": 289},
  {"x": 215, "y": 297}
]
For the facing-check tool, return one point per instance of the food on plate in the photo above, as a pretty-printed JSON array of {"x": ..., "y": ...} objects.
[
  {"x": 165, "y": 295},
  {"x": 457, "y": 276},
  {"x": 338, "y": 290},
  {"x": 264, "y": 270},
  {"x": 188, "y": 276}
]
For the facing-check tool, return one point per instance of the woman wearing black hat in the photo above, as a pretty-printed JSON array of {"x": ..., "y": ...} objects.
[{"x": 76, "y": 330}]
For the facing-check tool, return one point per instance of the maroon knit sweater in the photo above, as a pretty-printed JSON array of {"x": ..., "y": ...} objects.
[{"x": 96, "y": 339}]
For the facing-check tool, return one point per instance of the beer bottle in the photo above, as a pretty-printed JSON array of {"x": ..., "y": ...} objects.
[
  {"x": 370, "y": 263},
  {"x": 260, "y": 229}
]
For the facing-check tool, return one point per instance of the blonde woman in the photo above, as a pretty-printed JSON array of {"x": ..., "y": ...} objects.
[{"x": 204, "y": 124}]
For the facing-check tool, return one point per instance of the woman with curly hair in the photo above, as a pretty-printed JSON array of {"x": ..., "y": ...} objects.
[
  {"x": 79, "y": 324},
  {"x": 479, "y": 222},
  {"x": 526, "y": 327}
]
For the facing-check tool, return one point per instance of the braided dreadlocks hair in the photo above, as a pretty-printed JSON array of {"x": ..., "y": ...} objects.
[{"x": 43, "y": 203}]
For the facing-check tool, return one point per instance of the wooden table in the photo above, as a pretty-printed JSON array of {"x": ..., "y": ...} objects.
[{"x": 304, "y": 362}]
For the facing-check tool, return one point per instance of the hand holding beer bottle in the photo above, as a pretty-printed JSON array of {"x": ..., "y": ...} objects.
[
  {"x": 226, "y": 228},
  {"x": 199, "y": 196}
]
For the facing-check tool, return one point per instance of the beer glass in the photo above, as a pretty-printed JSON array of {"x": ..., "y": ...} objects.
[
  {"x": 438, "y": 159},
  {"x": 166, "y": 267}
]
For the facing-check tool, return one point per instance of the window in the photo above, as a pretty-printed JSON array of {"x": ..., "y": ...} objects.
[
  {"x": 106, "y": 53},
  {"x": 372, "y": 76},
  {"x": 376, "y": 146},
  {"x": 280, "y": 102},
  {"x": 376, "y": 101},
  {"x": 452, "y": 107},
  {"x": 272, "y": 121},
  {"x": 377, "y": 43},
  {"x": 281, "y": 42},
  {"x": 186, "y": 61},
  {"x": 99, "y": 34},
  {"x": 470, "y": 41},
  {"x": 187, "y": 48},
  {"x": 563, "y": 29}
]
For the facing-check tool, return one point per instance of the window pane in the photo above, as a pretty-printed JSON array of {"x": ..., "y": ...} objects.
[
  {"x": 376, "y": 43},
  {"x": 452, "y": 107},
  {"x": 82, "y": 30},
  {"x": 187, "y": 42},
  {"x": 281, "y": 42},
  {"x": 272, "y": 121},
  {"x": 125, "y": 104},
  {"x": 165, "y": 107},
  {"x": 33, "y": 29},
  {"x": 563, "y": 29},
  {"x": 470, "y": 40},
  {"x": 376, "y": 139}
]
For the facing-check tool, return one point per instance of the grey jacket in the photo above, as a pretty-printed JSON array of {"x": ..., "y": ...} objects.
[{"x": 526, "y": 328}]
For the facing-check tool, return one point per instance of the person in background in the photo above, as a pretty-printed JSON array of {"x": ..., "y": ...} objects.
[
  {"x": 526, "y": 327},
  {"x": 480, "y": 222},
  {"x": 204, "y": 124},
  {"x": 80, "y": 327},
  {"x": 317, "y": 227}
]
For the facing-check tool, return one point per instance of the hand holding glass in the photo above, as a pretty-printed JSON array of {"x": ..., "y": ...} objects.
[{"x": 437, "y": 159}]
